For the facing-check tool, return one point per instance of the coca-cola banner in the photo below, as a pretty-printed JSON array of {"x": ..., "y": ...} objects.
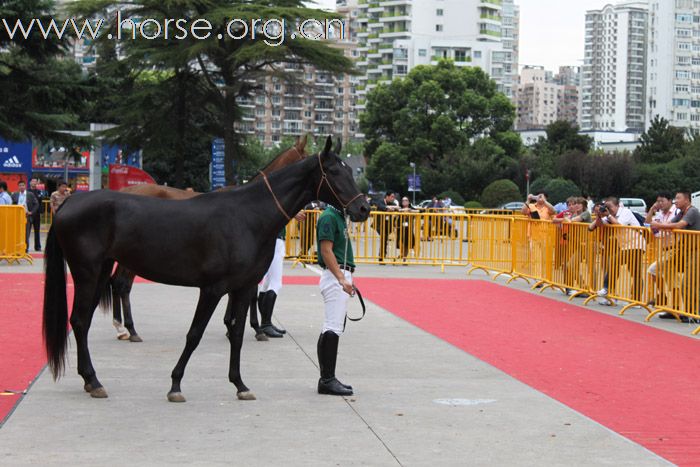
[{"x": 121, "y": 176}]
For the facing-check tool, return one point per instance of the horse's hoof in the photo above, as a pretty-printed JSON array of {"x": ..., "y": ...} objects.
[
  {"x": 123, "y": 337},
  {"x": 99, "y": 393},
  {"x": 261, "y": 337},
  {"x": 87, "y": 387},
  {"x": 246, "y": 396},
  {"x": 135, "y": 338},
  {"x": 176, "y": 397}
]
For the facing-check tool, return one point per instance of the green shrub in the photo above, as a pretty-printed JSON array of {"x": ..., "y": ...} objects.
[
  {"x": 558, "y": 189},
  {"x": 499, "y": 192},
  {"x": 472, "y": 205},
  {"x": 457, "y": 199}
]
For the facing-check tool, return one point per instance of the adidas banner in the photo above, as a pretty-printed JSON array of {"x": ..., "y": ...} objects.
[{"x": 15, "y": 157}]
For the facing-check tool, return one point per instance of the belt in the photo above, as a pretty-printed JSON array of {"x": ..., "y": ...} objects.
[{"x": 345, "y": 267}]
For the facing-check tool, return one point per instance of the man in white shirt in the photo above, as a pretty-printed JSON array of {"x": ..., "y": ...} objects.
[
  {"x": 663, "y": 212},
  {"x": 625, "y": 246},
  {"x": 5, "y": 198}
]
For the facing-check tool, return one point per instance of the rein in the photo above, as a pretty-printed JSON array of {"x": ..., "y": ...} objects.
[{"x": 279, "y": 206}]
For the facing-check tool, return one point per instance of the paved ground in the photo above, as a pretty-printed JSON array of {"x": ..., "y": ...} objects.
[{"x": 418, "y": 401}]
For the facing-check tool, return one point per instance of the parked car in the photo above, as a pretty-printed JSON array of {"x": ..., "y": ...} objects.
[
  {"x": 637, "y": 205},
  {"x": 514, "y": 206}
]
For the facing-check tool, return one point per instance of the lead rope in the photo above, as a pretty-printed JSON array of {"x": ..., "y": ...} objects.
[{"x": 346, "y": 233}]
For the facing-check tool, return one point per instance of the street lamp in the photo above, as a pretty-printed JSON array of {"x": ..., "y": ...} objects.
[{"x": 413, "y": 166}]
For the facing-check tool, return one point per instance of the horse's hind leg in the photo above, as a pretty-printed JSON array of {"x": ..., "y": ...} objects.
[
  {"x": 122, "y": 333},
  {"x": 208, "y": 299},
  {"x": 239, "y": 307},
  {"x": 128, "y": 320},
  {"x": 88, "y": 288}
]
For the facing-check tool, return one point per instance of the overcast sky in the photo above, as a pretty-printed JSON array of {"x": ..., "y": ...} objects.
[{"x": 551, "y": 31}]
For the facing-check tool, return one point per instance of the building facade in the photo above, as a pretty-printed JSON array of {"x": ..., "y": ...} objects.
[
  {"x": 614, "y": 70},
  {"x": 543, "y": 98},
  {"x": 673, "y": 79}
]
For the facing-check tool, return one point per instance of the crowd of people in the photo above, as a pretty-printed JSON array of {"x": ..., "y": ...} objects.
[{"x": 628, "y": 248}]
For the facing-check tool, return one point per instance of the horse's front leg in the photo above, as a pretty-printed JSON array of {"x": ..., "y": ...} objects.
[
  {"x": 208, "y": 299},
  {"x": 238, "y": 304}
]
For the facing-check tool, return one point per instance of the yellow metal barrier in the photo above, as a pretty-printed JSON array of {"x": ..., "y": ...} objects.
[
  {"x": 13, "y": 234},
  {"x": 534, "y": 250},
  {"x": 676, "y": 288},
  {"x": 46, "y": 215},
  {"x": 490, "y": 244},
  {"x": 391, "y": 238}
]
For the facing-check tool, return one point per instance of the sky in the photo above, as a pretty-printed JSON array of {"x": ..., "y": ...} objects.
[{"x": 551, "y": 31}]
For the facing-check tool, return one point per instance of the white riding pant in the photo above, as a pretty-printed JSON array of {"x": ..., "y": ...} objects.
[
  {"x": 273, "y": 276},
  {"x": 335, "y": 301}
]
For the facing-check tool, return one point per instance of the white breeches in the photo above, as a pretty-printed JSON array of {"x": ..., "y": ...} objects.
[
  {"x": 273, "y": 276},
  {"x": 335, "y": 301}
]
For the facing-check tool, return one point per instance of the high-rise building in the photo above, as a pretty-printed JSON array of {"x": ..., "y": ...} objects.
[
  {"x": 397, "y": 35},
  {"x": 537, "y": 99},
  {"x": 673, "y": 77},
  {"x": 614, "y": 70}
]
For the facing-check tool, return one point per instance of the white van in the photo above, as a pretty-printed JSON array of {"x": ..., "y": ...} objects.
[
  {"x": 695, "y": 199},
  {"x": 635, "y": 204}
]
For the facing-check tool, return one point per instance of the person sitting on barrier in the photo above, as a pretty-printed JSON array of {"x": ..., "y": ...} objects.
[
  {"x": 388, "y": 204},
  {"x": 31, "y": 207},
  {"x": 663, "y": 211},
  {"x": 686, "y": 249},
  {"x": 59, "y": 196},
  {"x": 627, "y": 248},
  {"x": 537, "y": 207},
  {"x": 4, "y": 195}
]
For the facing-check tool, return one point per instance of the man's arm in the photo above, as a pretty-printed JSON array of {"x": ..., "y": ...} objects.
[
  {"x": 332, "y": 265},
  {"x": 681, "y": 224}
]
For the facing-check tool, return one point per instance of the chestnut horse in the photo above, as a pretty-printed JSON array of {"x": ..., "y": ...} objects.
[
  {"x": 220, "y": 242},
  {"x": 122, "y": 280}
]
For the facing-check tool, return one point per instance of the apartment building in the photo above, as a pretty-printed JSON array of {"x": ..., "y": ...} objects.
[
  {"x": 673, "y": 76},
  {"x": 396, "y": 35},
  {"x": 543, "y": 98},
  {"x": 614, "y": 70}
]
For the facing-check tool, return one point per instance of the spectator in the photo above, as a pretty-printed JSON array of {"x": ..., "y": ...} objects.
[
  {"x": 31, "y": 207},
  {"x": 663, "y": 211},
  {"x": 572, "y": 249},
  {"x": 36, "y": 219},
  {"x": 538, "y": 207},
  {"x": 590, "y": 204},
  {"x": 4, "y": 195},
  {"x": 624, "y": 247},
  {"x": 405, "y": 240},
  {"x": 686, "y": 252},
  {"x": 384, "y": 223},
  {"x": 59, "y": 196}
]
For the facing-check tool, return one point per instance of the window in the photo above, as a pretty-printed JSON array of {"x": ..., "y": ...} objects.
[
  {"x": 438, "y": 28},
  {"x": 439, "y": 12},
  {"x": 422, "y": 52},
  {"x": 681, "y": 88},
  {"x": 477, "y": 54},
  {"x": 460, "y": 56}
]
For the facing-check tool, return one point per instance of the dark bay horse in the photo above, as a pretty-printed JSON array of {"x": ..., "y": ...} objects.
[
  {"x": 220, "y": 242},
  {"x": 123, "y": 279}
]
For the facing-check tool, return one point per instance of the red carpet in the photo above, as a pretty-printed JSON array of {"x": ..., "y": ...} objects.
[
  {"x": 23, "y": 354},
  {"x": 638, "y": 381}
]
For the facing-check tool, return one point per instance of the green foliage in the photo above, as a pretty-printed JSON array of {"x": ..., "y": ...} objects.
[
  {"x": 559, "y": 189},
  {"x": 660, "y": 143},
  {"x": 388, "y": 168},
  {"x": 540, "y": 184},
  {"x": 499, "y": 192},
  {"x": 473, "y": 205}
]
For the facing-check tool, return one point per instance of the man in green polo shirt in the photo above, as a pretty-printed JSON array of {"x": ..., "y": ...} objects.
[{"x": 336, "y": 258}]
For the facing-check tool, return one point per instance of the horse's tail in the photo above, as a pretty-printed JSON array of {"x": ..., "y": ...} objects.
[{"x": 55, "y": 305}]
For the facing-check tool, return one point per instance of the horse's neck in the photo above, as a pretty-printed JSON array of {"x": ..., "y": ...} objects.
[{"x": 292, "y": 186}]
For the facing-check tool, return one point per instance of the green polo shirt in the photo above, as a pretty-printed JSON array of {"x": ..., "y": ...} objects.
[
  {"x": 283, "y": 233},
  {"x": 331, "y": 226}
]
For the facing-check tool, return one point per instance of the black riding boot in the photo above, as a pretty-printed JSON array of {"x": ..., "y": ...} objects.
[
  {"x": 266, "y": 303},
  {"x": 259, "y": 334},
  {"x": 327, "y": 354}
]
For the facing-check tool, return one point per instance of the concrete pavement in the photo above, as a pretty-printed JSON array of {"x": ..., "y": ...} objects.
[{"x": 418, "y": 400}]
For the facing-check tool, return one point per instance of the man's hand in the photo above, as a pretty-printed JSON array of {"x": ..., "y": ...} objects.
[
  {"x": 347, "y": 287},
  {"x": 300, "y": 216}
]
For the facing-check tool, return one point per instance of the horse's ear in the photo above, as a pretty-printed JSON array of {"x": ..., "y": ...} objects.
[
  {"x": 302, "y": 141},
  {"x": 327, "y": 147},
  {"x": 338, "y": 146}
]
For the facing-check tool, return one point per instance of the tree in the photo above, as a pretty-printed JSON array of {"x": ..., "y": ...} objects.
[
  {"x": 40, "y": 92},
  {"x": 231, "y": 68},
  {"x": 449, "y": 121},
  {"x": 661, "y": 142},
  {"x": 499, "y": 192},
  {"x": 559, "y": 189}
]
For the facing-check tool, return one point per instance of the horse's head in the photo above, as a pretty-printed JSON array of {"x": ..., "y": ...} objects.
[{"x": 337, "y": 185}]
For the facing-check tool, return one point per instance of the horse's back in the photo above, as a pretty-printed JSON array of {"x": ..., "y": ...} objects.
[{"x": 159, "y": 191}]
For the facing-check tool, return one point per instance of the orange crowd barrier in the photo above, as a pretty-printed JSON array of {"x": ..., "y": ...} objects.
[{"x": 13, "y": 246}]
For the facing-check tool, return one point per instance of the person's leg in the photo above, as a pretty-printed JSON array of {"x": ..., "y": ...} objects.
[
  {"x": 272, "y": 284},
  {"x": 335, "y": 304},
  {"x": 36, "y": 223}
]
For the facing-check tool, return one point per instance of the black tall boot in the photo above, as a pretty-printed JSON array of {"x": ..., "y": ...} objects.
[
  {"x": 327, "y": 354},
  {"x": 266, "y": 303},
  {"x": 259, "y": 334}
]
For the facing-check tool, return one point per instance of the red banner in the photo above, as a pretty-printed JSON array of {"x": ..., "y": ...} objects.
[{"x": 122, "y": 176}]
